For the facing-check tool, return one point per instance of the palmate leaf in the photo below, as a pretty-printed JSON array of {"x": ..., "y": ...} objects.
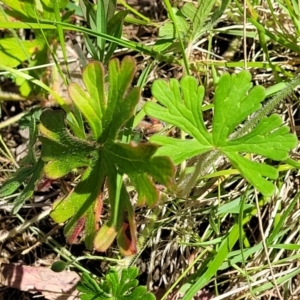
[
  {"x": 234, "y": 101},
  {"x": 103, "y": 159}
]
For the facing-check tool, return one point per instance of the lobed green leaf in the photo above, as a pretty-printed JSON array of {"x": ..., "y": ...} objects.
[
  {"x": 233, "y": 104},
  {"x": 105, "y": 159},
  {"x": 62, "y": 151},
  {"x": 235, "y": 99},
  {"x": 92, "y": 103}
]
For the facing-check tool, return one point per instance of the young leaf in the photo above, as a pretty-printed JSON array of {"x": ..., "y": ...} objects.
[
  {"x": 115, "y": 29},
  {"x": 167, "y": 31},
  {"x": 197, "y": 15},
  {"x": 234, "y": 101},
  {"x": 115, "y": 286},
  {"x": 104, "y": 158},
  {"x": 89, "y": 289}
]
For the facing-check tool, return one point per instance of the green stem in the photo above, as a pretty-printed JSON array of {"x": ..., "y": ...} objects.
[{"x": 173, "y": 18}]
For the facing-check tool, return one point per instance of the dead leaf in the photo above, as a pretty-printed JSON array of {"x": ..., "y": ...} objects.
[{"x": 54, "y": 286}]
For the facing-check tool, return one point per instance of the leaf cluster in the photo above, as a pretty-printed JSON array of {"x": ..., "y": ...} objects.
[
  {"x": 117, "y": 286},
  {"x": 189, "y": 23},
  {"x": 103, "y": 158},
  {"x": 102, "y": 19}
]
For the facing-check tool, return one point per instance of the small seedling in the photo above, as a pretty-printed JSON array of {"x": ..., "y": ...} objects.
[
  {"x": 121, "y": 286},
  {"x": 187, "y": 23}
]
